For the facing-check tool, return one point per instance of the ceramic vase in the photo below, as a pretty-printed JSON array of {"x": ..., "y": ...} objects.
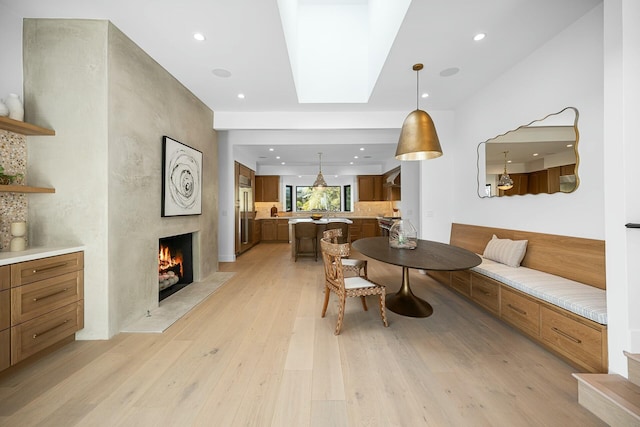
[
  {"x": 4, "y": 111},
  {"x": 16, "y": 109}
]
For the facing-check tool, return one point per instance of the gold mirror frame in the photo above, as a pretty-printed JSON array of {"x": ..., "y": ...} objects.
[{"x": 543, "y": 157}]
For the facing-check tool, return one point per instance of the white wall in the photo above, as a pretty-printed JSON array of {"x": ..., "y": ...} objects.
[{"x": 566, "y": 71}]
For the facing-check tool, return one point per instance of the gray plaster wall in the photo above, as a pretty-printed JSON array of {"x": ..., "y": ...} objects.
[{"x": 110, "y": 104}]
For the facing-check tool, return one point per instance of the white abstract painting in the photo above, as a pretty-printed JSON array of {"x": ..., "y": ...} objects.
[{"x": 181, "y": 179}]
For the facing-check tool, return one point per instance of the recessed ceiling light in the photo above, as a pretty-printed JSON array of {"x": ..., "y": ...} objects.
[
  {"x": 508, "y": 161},
  {"x": 425, "y": 95},
  {"x": 355, "y": 157},
  {"x": 350, "y": 163},
  {"x": 361, "y": 148},
  {"x": 448, "y": 72},
  {"x": 335, "y": 176},
  {"x": 277, "y": 157},
  {"x": 283, "y": 163},
  {"x": 569, "y": 145},
  {"x": 199, "y": 36},
  {"x": 479, "y": 36},
  {"x": 221, "y": 72},
  {"x": 535, "y": 154},
  {"x": 241, "y": 95},
  {"x": 270, "y": 149}
]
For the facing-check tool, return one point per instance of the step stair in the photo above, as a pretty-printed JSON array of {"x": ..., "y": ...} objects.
[{"x": 612, "y": 397}]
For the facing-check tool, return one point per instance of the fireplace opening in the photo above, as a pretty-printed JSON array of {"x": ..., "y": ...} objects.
[{"x": 175, "y": 264}]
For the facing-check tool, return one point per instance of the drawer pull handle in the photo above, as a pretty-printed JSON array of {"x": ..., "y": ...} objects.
[
  {"x": 486, "y": 293},
  {"x": 37, "y": 334},
  {"x": 566, "y": 335},
  {"x": 517, "y": 310},
  {"x": 61, "y": 291},
  {"x": 50, "y": 267}
]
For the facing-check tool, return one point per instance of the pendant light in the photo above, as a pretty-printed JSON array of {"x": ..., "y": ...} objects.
[
  {"x": 320, "y": 182},
  {"x": 418, "y": 137},
  {"x": 505, "y": 182}
]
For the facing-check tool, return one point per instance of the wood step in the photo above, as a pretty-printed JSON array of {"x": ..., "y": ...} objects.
[
  {"x": 633, "y": 362},
  {"x": 611, "y": 397}
]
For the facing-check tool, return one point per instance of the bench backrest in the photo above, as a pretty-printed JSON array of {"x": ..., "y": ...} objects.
[{"x": 575, "y": 258}]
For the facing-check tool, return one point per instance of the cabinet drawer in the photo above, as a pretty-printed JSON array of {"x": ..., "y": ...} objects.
[
  {"x": 41, "y": 297},
  {"x": 485, "y": 292},
  {"x": 461, "y": 282},
  {"x": 5, "y": 277},
  {"x": 31, "y": 271},
  {"x": 572, "y": 338},
  {"x": 5, "y": 316},
  {"x": 5, "y": 347},
  {"x": 443, "y": 277},
  {"x": 520, "y": 311},
  {"x": 30, "y": 337}
]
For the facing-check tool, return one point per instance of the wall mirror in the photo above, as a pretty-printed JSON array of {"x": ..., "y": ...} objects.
[{"x": 540, "y": 157}]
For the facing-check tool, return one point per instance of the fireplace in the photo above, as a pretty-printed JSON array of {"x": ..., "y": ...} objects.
[{"x": 175, "y": 264}]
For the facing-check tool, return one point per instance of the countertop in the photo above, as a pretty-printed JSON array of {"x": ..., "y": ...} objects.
[
  {"x": 30, "y": 254},
  {"x": 320, "y": 221}
]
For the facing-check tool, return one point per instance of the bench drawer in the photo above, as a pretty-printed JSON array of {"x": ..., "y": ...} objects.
[
  {"x": 30, "y": 337},
  {"x": 573, "y": 338},
  {"x": 485, "y": 292},
  {"x": 5, "y": 346},
  {"x": 443, "y": 277},
  {"x": 461, "y": 282},
  {"x": 520, "y": 311}
]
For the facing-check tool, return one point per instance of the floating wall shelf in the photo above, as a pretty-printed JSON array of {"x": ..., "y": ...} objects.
[
  {"x": 23, "y": 128},
  {"x": 25, "y": 189}
]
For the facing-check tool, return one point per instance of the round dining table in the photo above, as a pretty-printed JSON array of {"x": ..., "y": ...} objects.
[{"x": 428, "y": 255}]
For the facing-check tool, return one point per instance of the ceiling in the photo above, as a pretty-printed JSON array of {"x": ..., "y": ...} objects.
[{"x": 245, "y": 37}]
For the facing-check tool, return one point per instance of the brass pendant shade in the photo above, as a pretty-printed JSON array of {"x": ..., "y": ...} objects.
[{"x": 418, "y": 137}]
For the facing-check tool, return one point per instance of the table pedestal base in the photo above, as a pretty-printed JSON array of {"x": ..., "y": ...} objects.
[{"x": 404, "y": 302}]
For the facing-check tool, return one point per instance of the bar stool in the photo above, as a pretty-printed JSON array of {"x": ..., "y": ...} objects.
[{"x": 306, "y": 231}]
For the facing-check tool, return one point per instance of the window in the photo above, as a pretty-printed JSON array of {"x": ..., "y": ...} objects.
[
  {"x": 288, "y": 198},
  {"x": 347, "y": 198},
  {"x": 323, "y": 199}
]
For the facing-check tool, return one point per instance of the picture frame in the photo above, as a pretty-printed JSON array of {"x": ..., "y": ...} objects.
[{"x": 181, "y": 179}]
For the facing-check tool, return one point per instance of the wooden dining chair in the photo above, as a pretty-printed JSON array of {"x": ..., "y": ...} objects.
[
  {"x": 353, "y": 265},
  {"x": 332, "y": 255}
]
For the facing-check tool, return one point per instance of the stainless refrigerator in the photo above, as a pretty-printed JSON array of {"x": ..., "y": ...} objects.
[{"x": 245, "y": 215}]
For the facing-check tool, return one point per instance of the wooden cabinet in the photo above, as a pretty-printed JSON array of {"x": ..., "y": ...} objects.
[
  {"x": 370, "y": 188},
  {"x": 363, "y": 227},
  {"x": 461, "y": 282},
  {"x": 267, "y": 188},
  {"x": 46, "y": 304},
  {"x": 257, "y": 231},
  {"x": 5, "y": 317},
  {"x": 275, "y": 230}
]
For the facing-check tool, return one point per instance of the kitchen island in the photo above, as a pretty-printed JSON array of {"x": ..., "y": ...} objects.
[{"x": 321, "y": 226}]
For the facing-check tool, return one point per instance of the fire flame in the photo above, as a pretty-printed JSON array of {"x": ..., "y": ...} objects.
[{"x": 166, "y": 261}]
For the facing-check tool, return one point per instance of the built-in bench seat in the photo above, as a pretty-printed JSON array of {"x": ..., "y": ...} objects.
[
  {"x": 576, "y": 297},
  {"x": 556, "y": 296}
]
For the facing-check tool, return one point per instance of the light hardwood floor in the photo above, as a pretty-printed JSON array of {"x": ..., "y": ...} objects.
[{"x": 257, "y": 353}]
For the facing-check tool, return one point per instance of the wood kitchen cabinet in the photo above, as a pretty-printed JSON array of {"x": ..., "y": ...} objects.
[
  {"x": 363, "y": 227},
  {"x": 267, "y": 188},
  {"x": 370, "y": 188},
  {"x": 275, "y": 230}
]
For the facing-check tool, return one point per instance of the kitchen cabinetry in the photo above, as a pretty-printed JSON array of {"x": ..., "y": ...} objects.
[
  {"x": 25, "y": 129},
  {"x": 267, "y": 188},
  {"x": 363, "y": 227},
  {"x": 257, "y": 231},
  {"x": 43, "y": 305},
  {"x": 370, "y": 188},
  {"x": 275, "y": 230},
  {"x": 391, "y": 185}
]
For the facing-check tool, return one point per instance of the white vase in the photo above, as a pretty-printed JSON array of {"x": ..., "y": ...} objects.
[
  {"x": 4, "y": 111},
  {"x": 16, "y": 109}
]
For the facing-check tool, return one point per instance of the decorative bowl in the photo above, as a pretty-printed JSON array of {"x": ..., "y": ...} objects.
[{"x": 316, "y": 216}]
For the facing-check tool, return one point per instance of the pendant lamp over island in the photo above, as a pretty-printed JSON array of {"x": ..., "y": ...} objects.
[
  {"x": 320, "y": 182},
  {"x": 418, "y": 137},
  {"x": 505, "y": 182}
]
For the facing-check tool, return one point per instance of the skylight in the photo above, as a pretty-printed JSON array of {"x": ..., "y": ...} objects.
[{"x": 337, "y": 47}]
